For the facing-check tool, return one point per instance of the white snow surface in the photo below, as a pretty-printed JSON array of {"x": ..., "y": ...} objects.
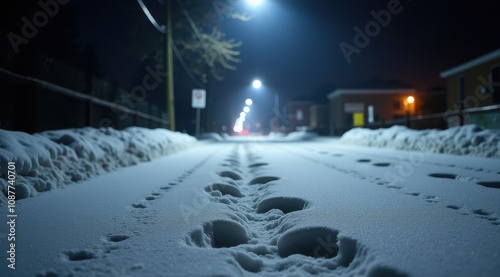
[
  {"x": 51, "y": 159},
  {"x": 465, "y": 140},
  {"x": 259, "y": 208}
]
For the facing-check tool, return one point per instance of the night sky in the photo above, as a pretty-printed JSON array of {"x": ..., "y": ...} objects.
[{"x": 293, "y": 47}]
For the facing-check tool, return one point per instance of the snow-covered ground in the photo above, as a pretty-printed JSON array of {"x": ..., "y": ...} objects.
[{"x": 320, "y": 207}]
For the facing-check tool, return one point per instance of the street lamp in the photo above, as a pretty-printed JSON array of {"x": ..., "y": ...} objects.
[
  {"x": 249, "y": 102},
  {"x": 257, "y": 83},
  {"x": 410, "y": 100}
]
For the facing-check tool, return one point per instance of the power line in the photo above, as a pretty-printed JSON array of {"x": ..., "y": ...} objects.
[
  {"x": 162, "y": 29},
  {"x": 191, "y": 22},
  {"x": 184, "y": 65}
]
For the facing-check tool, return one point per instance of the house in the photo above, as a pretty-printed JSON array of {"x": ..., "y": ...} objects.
[
  {"x": 356, "y": 107},
  {"x": 298, "y": 114},
  {"x": 475, "y": 84},
  {"x": 319, "y": 119}
]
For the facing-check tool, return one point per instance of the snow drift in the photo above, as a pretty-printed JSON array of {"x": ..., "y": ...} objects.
[
  {"x": 469, "y": 140},
  {"x": 52, "y": 159}
]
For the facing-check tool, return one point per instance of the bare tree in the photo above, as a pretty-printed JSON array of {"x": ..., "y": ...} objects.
[{"x": 200, "y": 38}]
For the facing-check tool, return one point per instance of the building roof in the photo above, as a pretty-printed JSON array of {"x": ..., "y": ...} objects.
[
  {"x": 472, "y": 63},
  {"x": 352, "y": 91}
]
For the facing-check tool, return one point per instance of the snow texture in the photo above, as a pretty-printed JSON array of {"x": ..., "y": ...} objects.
[
  {"x": 52, "y": 159},
  {"x": 466, "y": 140},
  {"x": 317, "y": 207}
]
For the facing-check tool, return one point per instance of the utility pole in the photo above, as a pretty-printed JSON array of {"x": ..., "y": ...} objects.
[{"x": 170, "y": 70}]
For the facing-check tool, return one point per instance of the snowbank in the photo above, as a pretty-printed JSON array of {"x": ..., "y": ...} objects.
[
  {"x": 300, "y": 136},
  {"x": 469, "y": 140},
  {"x": 52, "y": 159}
]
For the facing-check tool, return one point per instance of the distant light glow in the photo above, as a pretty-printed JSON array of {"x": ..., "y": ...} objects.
[
  {"x": 246, "y": 109},
  {"x": 254, "y": 2},
  {"x": 410, "y": 99},
  {"x": 249, "y": 102},
  {"x": 243, "y": 114},
  {"x": 257, "y": 84}
]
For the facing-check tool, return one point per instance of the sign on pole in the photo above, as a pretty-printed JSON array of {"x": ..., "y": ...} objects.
[{"x": 199, "y": 99}]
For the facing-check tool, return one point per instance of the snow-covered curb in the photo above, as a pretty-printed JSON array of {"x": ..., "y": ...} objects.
[
  {"x": 52, "y": 159},
  {"x": 469, "y": 140}
]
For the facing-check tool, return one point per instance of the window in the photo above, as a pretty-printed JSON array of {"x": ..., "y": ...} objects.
[{"x": 461, "y": 89}]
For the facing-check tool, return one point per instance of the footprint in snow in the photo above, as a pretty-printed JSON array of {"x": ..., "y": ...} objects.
[
  {"x": 317, "y": 242},
  {"x": 452, "y": 177},
  {"x": 80, "y": 255},
  {"x": 263, "y": 180},
  {"x": 254, "y": 165},
  {"x": 432, "y": 198},
  {"x": 443, "y": 175},
  {"x": 139, "y": 205},
  {"x": 382, "y": 164},
  {"x": 117, "y": 237},
  {"x": 284, "y": 204},
  {"x": 218, "y": 234},
  {"x": 231, "y": 175},
  {"x": 364, "y": 160},
  {"x": 453, "y": 207},
  {"x": 150, "y": 197},
  {"x": 490, "y": 184},
  {"x": 481, "y": 212},
  {"x": 224, "y": 189}
]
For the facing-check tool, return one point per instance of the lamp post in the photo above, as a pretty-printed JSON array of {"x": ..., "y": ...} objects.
[
  {"x": 170, "y": 70},
  {"x": 410, "y": 100},
  {"x": 257, "y": 84}
]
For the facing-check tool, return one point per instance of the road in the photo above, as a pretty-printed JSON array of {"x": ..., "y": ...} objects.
[{"x": 269, "y": 209}]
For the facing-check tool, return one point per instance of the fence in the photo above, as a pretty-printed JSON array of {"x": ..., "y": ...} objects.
[
  {"x": 58, "y": 96},
  {"x": 487, "y": 117}
]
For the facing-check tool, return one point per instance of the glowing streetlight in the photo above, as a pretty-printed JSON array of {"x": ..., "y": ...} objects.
[
  {"x": 256, "y": 83},
  {"x": 246, "y": 109},
  {"x": 410, "y": 99},
  {"x": 243, "y": 114},
  {"x": 249, "y": 102}
]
